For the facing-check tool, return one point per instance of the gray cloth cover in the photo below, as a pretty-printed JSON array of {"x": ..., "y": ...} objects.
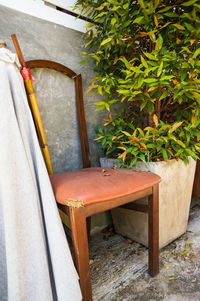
[{"x": 35, "y": 260}]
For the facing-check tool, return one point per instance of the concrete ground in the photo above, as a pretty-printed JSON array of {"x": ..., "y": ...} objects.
[{"x": 119, "y": 267}]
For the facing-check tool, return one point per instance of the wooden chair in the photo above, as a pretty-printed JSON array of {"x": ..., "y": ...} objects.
[{"x": 83, "y": 193}]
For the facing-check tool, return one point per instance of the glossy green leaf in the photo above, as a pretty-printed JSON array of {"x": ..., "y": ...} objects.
[
  {"x": 106, "y": 41},
  {"x": 196, "y": 53},
  {"x": 144, "y": 63},
  {"x": 189, "y": 3},
  {"x": 160, "y": 69},
  {"x": 150, "y": 56}
]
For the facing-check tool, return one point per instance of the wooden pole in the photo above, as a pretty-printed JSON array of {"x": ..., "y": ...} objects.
[{"x": 33, "y": 105}]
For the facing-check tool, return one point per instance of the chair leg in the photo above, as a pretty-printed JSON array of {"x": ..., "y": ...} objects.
[
  {"x": 88, "y": 222},
  {"x": 153, "y": 233},
  {"x": 81, "y": 253}
]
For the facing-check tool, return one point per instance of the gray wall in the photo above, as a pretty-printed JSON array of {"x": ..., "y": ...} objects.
[{"x": 55, "y": 92}]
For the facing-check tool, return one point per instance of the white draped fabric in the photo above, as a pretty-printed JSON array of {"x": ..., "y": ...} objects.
[{"x": 35, "y": 260}]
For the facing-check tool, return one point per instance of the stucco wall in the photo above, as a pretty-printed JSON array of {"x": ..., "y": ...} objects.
[
  {"x": 44, "y": 40},
  {"x": 41, "y": 39}
]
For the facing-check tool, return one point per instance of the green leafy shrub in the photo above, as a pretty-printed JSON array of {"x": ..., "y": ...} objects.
[
  {"x": 147, "y": 55},
  {"x": 121, "y": 139}
]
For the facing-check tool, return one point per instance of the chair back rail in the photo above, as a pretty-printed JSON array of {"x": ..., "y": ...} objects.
[{"x": 79, "y": 102}]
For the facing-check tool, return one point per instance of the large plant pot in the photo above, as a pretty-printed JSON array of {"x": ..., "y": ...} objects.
[{"x": 175, "y": 193}]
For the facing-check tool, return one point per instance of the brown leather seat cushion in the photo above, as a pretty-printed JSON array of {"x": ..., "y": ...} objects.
[{"x": 92, "y": 185}]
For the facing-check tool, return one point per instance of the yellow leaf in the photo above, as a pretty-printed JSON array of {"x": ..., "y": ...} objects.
[
  {"x": 194, "y": 13},
  {"x": 156, "y": 21},
  {"x": 129, "y": 241},
  {"x": 152, "y": 89},
  {"x": 171, "y": 278},
  {"x": 194, "y": 119},
  {"x": 115, "y": 61},
  {"x": 121, "y": 147},
  {"x": 189, "y": 244},
  {"x": 192, "y": 42},
  {"x": 175, "y": 126},
  {"x": 175, "y": 82},
  {"x": 178, "y": 41},
  {"x": 92, "y": 87},
  {"x": 106, "y": 41},
  {"x": 184, "y": 253},
  {"x": 124, "y": 156},
  {"x": 180, "y": 27},
  {"x": 155, "y": 120},
  {"x": 143, "y": 34}
]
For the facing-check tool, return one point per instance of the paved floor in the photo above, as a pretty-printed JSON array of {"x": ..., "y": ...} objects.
[{"x": 119, "y": 267}]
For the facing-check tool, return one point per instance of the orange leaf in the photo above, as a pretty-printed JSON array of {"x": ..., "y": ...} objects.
[
  {"x": 120, "y": 136},
  {"x": 98, "y": 138},
  {"x": 170, "y": 152},
  {"x": 144, "y": 146},
  {"x": 192, "y": 255}
]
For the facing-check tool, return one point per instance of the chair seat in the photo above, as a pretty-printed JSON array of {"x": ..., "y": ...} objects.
[{"x": 94, "y": 185}]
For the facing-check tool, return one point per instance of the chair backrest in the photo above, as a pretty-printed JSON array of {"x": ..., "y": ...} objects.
[{"x": 79, "y": 102}]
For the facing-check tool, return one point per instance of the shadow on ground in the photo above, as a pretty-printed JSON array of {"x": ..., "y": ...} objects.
[{"x": 119, "y": 267}]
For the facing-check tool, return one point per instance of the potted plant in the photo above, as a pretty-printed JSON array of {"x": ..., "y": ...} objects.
[{"x": 147, "y": 57}]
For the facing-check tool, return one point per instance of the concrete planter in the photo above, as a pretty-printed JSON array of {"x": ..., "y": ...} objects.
[{"x": 175, "y": 196}]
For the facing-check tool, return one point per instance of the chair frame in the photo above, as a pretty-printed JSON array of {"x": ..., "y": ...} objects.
[{"x": 80, "y": 217}]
